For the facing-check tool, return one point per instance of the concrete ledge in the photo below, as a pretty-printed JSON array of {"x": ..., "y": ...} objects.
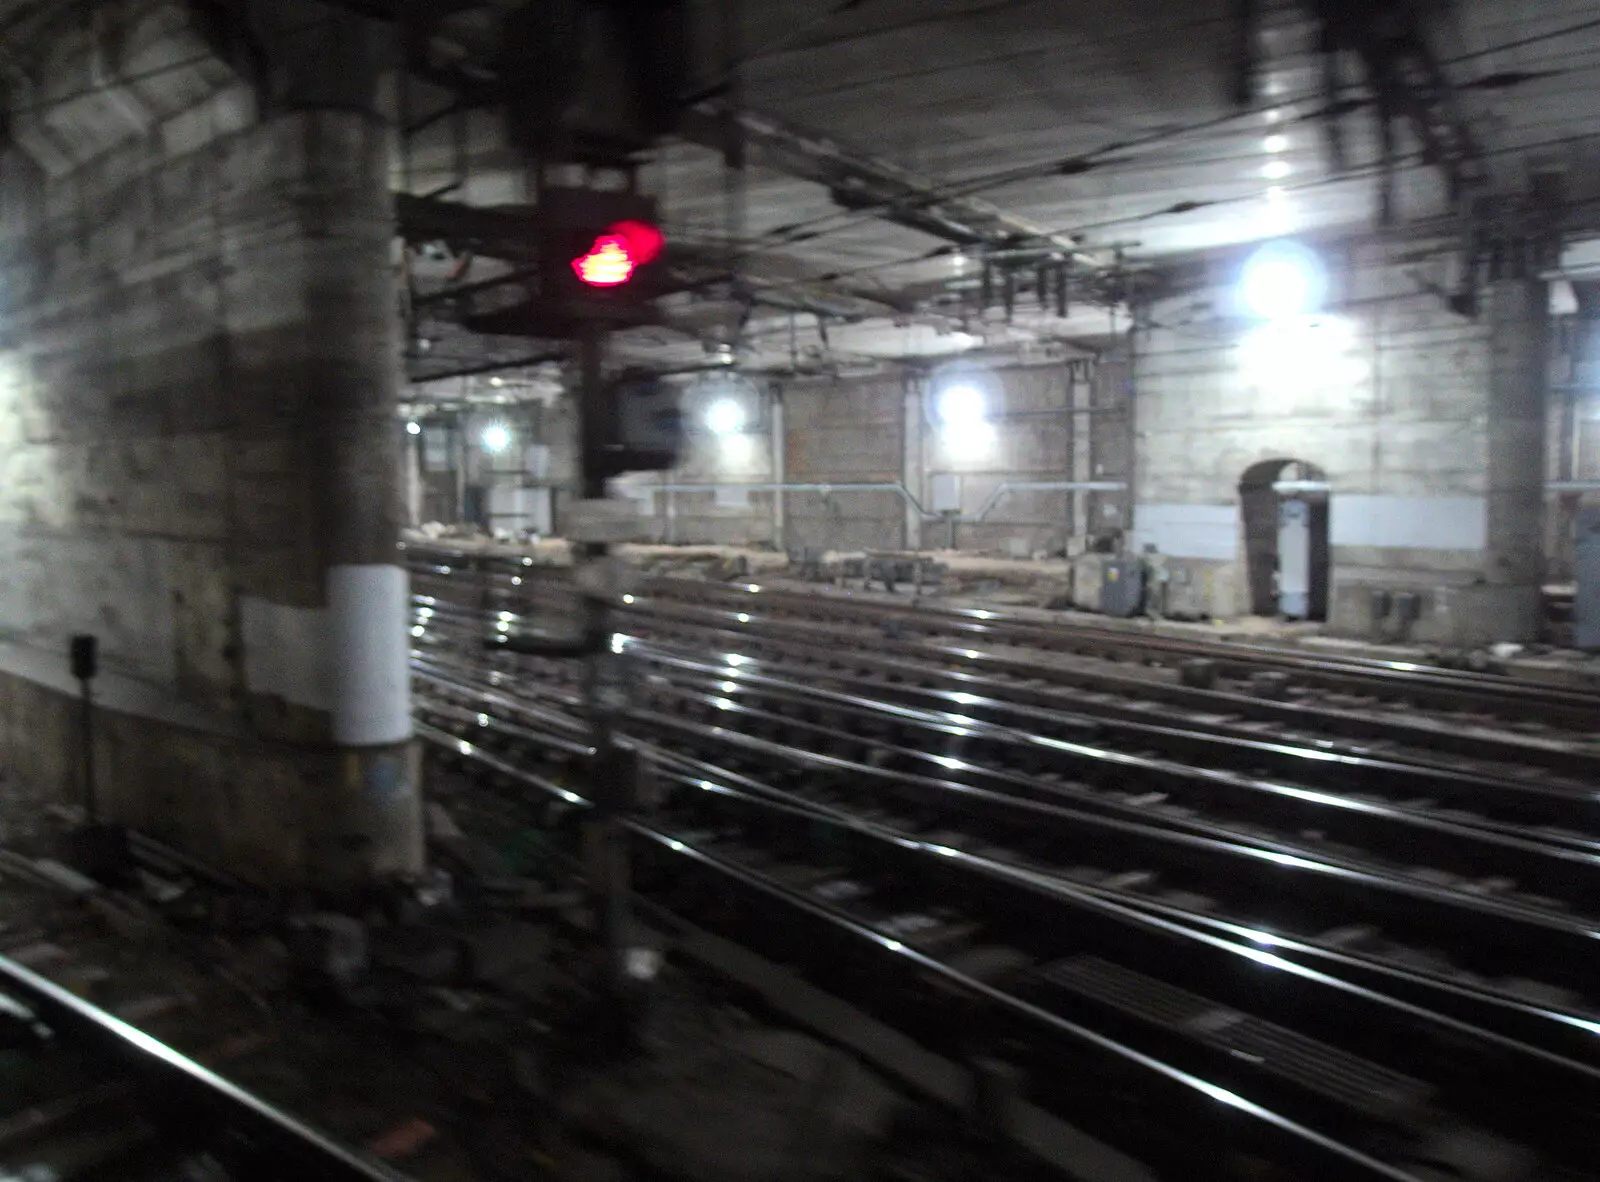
[
  {"x": 272, "y": 813},
  {"x": 222, "y": 798},
  {"x": 114, "y": 691}
]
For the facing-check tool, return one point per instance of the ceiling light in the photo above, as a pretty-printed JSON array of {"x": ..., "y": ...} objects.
[
  {"x": 969, "y": 441},
  {"x": 496, "y": 438},
  {"x": 961, "y": 406},
  {"x": 1280, "y": 280},
  {"x": 497, "y": 382},
  {"x": 413, "y": 428},
  {"x": 1275, "y": 143},
  {"x": 725, "y": 417},
  {"x": 1276, "y": 170},
  {"x": 1280, "y": 218}
]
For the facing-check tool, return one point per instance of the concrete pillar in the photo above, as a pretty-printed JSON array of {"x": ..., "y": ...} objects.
[
  {"x": 1080, "y": 435},
  {"x": 411, "y": 449},
  {"x": 203, "y": 359},
  {"x": 779, "y": 441},
  {"x": 374, "y": 830},
  {"x": 913, "y": 470},
  {"x": 314, "y": 238},
  {"x": 1513, "y": 570}
]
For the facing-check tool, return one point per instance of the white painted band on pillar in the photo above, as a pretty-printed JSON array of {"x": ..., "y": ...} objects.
[{"x": 369, "y": 654}]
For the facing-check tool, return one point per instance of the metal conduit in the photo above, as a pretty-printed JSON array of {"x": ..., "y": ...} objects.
[
  {"x": 1010, "y": 486},
  {"x": 900, "y": 490}
]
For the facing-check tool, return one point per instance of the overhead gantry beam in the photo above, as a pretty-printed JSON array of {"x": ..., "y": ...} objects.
[{"x": 859, "y": 181}]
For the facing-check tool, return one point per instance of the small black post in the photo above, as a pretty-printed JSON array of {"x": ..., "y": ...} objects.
[
  {"x": 85, "y": 664},
  {"x": 98, "y": 849}
]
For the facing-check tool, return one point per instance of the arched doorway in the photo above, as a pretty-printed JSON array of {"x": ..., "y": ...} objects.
[{"x": 1283, "y": 505}]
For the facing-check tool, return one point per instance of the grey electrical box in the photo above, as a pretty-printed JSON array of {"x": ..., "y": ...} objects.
[
  {"x": 1586, "y": 567},
  {"x": 649, "y": 419},
  {"x": 944, "y": 493},
  {"x": 1122, "y": 587},
  {"x": 638, "y": 426}
]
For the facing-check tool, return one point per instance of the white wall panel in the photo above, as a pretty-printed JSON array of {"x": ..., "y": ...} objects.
[
  {"x": 1189, "y": 531},
  {"x": 1431, "y": 523}
]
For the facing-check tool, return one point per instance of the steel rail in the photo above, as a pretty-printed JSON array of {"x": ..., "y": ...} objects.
[
  {"x": 1424, "y": 742},
  {"x": 1463, "y": 686},
  {"x": 1526, "y": 804},
  {"x": 1286, "y": 880},
  {"x": 1564, "y": 1033},
  {"x": 1444, "y": 733},
  {"x": 1204, "y": 1102},
  {"x": 1470, "y": 847},
  {"x": 1430, "y": 686},
  {"x": 1366, "y": 676},
  {"x": 682, "y": 845},
  {"x": 185, "y": 1092}
]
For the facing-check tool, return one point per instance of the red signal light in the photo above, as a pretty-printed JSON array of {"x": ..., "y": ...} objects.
[
  {"x": 616, "y": 254},
  {"x": 608, "y": 263},
  {"x": 644, "y": 240}
]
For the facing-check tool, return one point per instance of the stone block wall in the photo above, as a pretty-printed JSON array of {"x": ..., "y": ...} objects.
[
  {"x": 846, "y": 432},
  {"x": 1388, "y": 395},
  {"x": 730, "y": 517},
  {"x": 198, "y": 343}
]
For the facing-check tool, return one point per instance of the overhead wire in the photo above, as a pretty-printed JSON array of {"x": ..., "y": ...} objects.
[
  {"x": 1042, "y": 169},
  {"x": 1406, "y": 163},
  {"x": 952, "y": 190},
  {"x": 955, "y": 190},
  {"x": 789, "y": 42},
  {"x": 969, "y": 186},
  {"x": 837, "y": 220},
  {"x": 1136, "y": 35},
  {"x": 1533, "y": 39}
]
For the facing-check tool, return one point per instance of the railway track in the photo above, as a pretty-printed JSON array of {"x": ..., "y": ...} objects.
[
  {"x": 1365, "y": 946},
  {"x": 1181, "y": 766},
  {"x": 1359, "y": 679},
  {"x": 89, "y": 1097},
  {"x": 1365, "y": 678},
  {"x": 1028, "y": 910},
  {"x": 1351, "y": 724},
  {"x": 1201, "y": 867},
  {"x": 1062, "y": 961}
]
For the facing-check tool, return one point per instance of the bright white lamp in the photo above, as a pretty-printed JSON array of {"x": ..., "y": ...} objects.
[
  {"x": 961, "y": 406},
  {"x": 725, "y": 416},
  {"x": 1282, "y": 280},
  {"x": 496, "y": 437}
]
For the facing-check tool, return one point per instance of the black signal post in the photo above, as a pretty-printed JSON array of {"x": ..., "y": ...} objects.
[{"x": 85, "y": 664}]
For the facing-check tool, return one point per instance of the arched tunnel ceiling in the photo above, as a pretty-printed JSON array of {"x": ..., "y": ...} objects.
[
  {"x": 1118, "y": 119},
  {"x": 965, "y": 90},
  {"x": 1109, "y": 127}
]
